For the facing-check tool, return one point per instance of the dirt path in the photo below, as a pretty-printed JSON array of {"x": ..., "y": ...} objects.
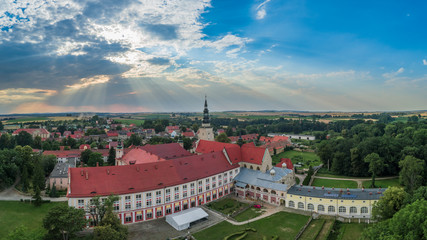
[
  {"x": 358, "y": 180},
  {"x": 325, "y": 229},
  {"x": 268, "y": 212}
]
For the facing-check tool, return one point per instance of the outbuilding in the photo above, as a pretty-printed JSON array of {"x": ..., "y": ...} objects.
[{"x": 182, "y": 220}]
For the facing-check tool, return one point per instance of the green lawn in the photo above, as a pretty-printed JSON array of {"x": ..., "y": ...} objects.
[
  {"x": 334, "y": 183},
  {"x": 14, "y": 214},
  {"x": 227, "y": 205},
  {"x": 137, "y": 122},
  {"x": 351, "y": 231},
  {"x": 313, "y": 229},
  {"x": 383, "y": 183},
  {"x": 283, "y": 224},
  {"x": 308, "y": 158},
  {"x": 248, "y": 214}
]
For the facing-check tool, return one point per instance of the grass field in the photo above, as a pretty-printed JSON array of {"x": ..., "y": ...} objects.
[
  {"x": 28, "y": 119},
  {"x": 154, "y": 116},
  {"x": 351, "y": 231},
  {"x": 334, "y": 183},
  {"x": 227, "y": 205},
  {"x": 383, "y": 183},
  {"x": 308, "y": 158},
  {"x": 282, "y": 224},
  {"x": 323, "y": 172},
  {"x": 137, "y": 122},
  {"x": 248, "y": 214},
  {"x": 14, "y": 214},
  {"x": 313, "y": 229}
]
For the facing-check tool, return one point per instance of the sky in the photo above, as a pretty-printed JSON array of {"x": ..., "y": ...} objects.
[{"x": 165, "y": 56}]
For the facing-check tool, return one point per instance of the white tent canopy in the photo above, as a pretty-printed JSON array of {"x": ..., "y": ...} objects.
[{"x": 182, "y": 220}]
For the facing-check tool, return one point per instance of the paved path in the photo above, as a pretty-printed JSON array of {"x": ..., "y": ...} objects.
[
  {"x": 11, "y": 194},
  {"x": 268, "y": 212},
  {"x": 358, "y": 180},
  {"x": 301, "y": 177}
]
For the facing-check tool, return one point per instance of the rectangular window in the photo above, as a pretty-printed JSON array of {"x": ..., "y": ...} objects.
[
  {"x": 177, "y": 208},
  {"x": 168, "y": 210},
  {"x": 138, "y": 201},
  {"x": 184, "y": 194},
  {"x": 116, "y": 206},
  {"x": 159, "y": 213},
  {"x": 149, "y": 215},
  {"x": 81, "y": 203},
  {"x": 148, "y": 202},
  {"x": 168, "y": 199},
  {"x": 158, "y": 194},
  {"x": 128, "y": 219},
  {"x": 139, "y": 217},
  {"x": 127, "y": 202},
  {"x": 138, "y": 204}
]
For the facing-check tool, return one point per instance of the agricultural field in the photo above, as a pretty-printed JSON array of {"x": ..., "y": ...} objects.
[
  {"x": 13, "y": 214},
  {"x": 28, "y": 119},
  {"x": 282, "y": 224},
  {"x": 137, "y": 122},
  {"x": 306, "y": 158},
  {"x": 334, "y": 183}
]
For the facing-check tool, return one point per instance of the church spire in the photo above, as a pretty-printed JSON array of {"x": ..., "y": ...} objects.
[{"x": 206, "y": 113}]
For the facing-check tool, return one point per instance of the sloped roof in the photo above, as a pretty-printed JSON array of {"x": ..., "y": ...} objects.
[
  {"x": 288, "y": 162},
  {"x": 186, "y": 217},
  {"x": 337, "y": 193},
  {"x": 261, "y": 179},
  {"x": 145, "y": 177}
]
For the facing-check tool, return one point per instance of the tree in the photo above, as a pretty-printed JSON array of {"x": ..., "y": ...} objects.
[
  {"x": 411, "y": 173},
  {"x": 53, "y": 192},
  {"x": 110, "y": 227},
  {"x": 188, "y": 143},
  {"x": 24, "y": 139},
  {"x": 62, "y": 222},
  {"x": 390, "y": 203},
  {"x": 38, "y": 175},
  {"x": 222, "y": 138},
  {"x": 97, "y": 208},
  {"x": 325, "y": 153},
  {"x": 419, "y": 194},
  {"x": 1, "y": 126},
  {"x": 111, "y": 157},
  {"x": 95, "y": 157},
  {"x": 84, "y": 156},
  {"x": 135, "y": 140},
  {"x": 37, "y": 198},
  {"x": 376, "y": 165},
  {"x": 37, "y": 143},
  {"x": 48, "y": 162},
  {"x": 408, "y": 223}
]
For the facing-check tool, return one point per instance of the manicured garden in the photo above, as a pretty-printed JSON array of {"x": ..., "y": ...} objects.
[
  {"x": 383, "y": 183},
  {"x": 227, "y": 206},
  {"x": 334, "y": 183},
  {"x": 350, "y": 231},
  {"x": 306, "y": 158},
  {"x": 313, "y": 229},
  {"x": 13, "y": 214},
  {"x": 282, "y": 224},
  {"x": 249, "y": 213}
]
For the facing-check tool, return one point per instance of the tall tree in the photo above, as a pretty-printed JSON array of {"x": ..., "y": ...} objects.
[
  {"x": 38, "y": 179},
  {"x": 24, "y": 139},
  {"x": 37, "y": 198},
  {"x": 222, "y": 138},
  {"x": 110, "y": 227},
  {"x": 97, "y": 208},
  {"x": 84, "y": 156},
  {"x": 95, "y": 157},
  {"x": 37, "y": 143},
  {"x": 391, "y": 202},
  {"x": 376, "y": 165},
  {"x": 62, "y": 222},
  {"x": 411, "y": 173},
  {"x": 111, "y": 157},
  {"x": 325, "y": 152},
  {"x": 409, "y": 223}
]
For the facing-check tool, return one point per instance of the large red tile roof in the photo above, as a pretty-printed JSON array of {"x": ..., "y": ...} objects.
[
  {"x": 288, "y": 162},
  {"x": 155, "y": 153},
  {"x": 247, "y": 153},
  {"x": 88, "y": 182},
  {"x": 31, "y": 131}
]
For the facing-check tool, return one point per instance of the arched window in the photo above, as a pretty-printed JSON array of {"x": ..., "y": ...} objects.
[
  {"x": 265, "y": 190},
  {"x": 342, "y": 209},
  {"x": 310, "y": 206},
  {"x": 321, "y": 208},
  {"x": 244, "y": 165},
  {"x": 331, "y": 209},
  {"x": 301, "y": 205},
  {"x": 252, "y": 187},
  {"x": 291, "y": 204},
  {"x": 273, "y": 192},
  {"x": 258, "y": 189},
  {"x": 257, "y": 168},
  {"x": 252, "y": 167},
  {"x": 364, "y": 210},
  {"x": 353, "y": 210}
]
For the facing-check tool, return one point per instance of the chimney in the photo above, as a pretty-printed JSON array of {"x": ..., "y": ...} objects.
[
  {"x": 81, "y": 172},
  {"x": 108, "y": 171},
  {"x": 87, "y": 175}
]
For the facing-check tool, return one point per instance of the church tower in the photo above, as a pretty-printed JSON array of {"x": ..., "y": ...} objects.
[{"x": 206, "y": 131}]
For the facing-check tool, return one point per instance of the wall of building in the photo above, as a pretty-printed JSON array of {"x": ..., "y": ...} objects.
[{"x": 130, "y": 208}]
